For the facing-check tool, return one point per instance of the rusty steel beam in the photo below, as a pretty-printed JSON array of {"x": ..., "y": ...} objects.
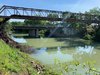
[
  {"x": 35, "y": 18},
  {"x": 36, "y": 27}
]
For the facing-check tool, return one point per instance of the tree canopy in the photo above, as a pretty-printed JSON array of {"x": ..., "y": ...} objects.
[{"x": 94, "y": 11}]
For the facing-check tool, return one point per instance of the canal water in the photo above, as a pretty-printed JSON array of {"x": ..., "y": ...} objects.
[{"x": 65, "y": 50}]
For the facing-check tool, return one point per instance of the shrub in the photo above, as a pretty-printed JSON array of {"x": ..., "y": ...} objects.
[
  {"x": 42, "y": 33},
  {"x": 87, "y": 37}
]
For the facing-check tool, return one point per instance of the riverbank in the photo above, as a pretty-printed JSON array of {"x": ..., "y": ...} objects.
[{"x": 14, "y": 62}]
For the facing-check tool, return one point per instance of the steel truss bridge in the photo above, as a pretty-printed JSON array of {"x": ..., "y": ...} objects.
[{"x": 12, "y": 12}]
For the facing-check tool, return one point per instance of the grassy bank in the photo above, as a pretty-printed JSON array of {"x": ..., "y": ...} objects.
[{"x": 14, "y": 62}]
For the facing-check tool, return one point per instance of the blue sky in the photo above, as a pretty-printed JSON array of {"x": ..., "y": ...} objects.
[
  {"x": 64, "y": 5},
  {"x": 61, "y": 5}
]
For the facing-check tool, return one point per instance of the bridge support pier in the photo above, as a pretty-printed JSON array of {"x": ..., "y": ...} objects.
[
  {"x": 34, "y": 33},
  {"x": 37, "y": 33}
]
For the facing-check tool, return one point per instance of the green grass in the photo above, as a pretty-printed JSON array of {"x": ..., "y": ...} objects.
[{"x": 14, "y": 61}]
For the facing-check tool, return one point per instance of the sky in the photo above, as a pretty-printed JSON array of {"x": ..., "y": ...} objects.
[{"x": 61, "y": 5}]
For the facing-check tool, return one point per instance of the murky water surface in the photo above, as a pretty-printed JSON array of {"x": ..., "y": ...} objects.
[{"x": 65, "y": 50}]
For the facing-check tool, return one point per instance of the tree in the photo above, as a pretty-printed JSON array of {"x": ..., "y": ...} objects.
[
  {"x": 94, "y": 11},
  {"x": 35, "y": 22},
  {"x": 94, "y": 32},
  {"x": 32, "y": 22},
  {"x": 1, "y": 19},
  {"x": 14, "y": 23},
  {"x": 53, "y": 16}
]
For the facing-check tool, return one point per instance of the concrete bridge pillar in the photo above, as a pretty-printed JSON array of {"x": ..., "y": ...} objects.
[{"x": 34, "y": 33}]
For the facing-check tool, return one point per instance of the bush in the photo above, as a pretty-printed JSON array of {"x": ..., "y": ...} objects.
[
  {"x": 42, "y": 33},
  {"x": 88, "y": 37},
  {"x": 12, "y": 60}
]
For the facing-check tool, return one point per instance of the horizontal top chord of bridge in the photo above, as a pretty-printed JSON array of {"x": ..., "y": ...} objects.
[{"x": 30, "y": 9}]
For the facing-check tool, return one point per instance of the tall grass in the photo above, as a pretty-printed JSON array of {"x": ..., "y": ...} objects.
[
  {"x": 14, "y": 61},
  {"x": 74, "y": 68}
]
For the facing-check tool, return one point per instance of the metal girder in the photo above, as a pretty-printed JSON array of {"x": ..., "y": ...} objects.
[
  {"x": 36, "y": 27},
  {"x": 11, "y": 10},
  {"x": 42, "y": 14}
]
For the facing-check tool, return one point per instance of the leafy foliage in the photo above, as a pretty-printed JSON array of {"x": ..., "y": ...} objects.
[
  {"x": 87, "y": 37},
  {"x": 42, "y": 33},
  {"x": 14, "y": 23},
  {"x": 94, "y": 11},
  {"x": 35, "y": 22},
  {"x": 52, "y": 16}
]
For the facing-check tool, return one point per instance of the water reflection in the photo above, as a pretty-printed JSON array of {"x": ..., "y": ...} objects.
[
  {"x": 43, "y": 56},
  {"x": 18, "y": 40},
  {"x": 85, "y": 49},
  {"x": 63, "y": 54}
]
